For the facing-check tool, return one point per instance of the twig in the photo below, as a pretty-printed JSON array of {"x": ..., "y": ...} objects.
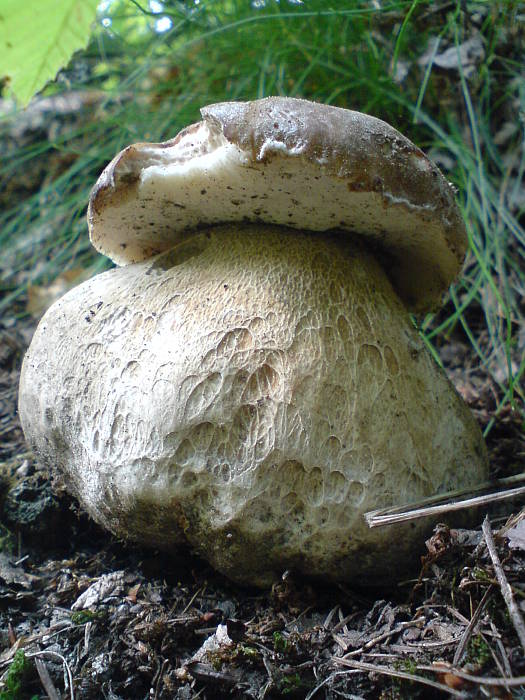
[
  {"x": 342, "y": 623},
  {"x": 205, "y": 672},
  {"x": 160, "y": 673},
  {"x": 87, "y": 636},
  {"x": 372, "y": 668},
  {"x": 455, "y": 613},
  {"x": 201, "y": 591},
  {"x": 331, "y": 677},
  {"x": 385, "y": 635},
  {"x": 20, "y": 561},
  {"x": 340, "y": 641},
  {"x": 425, "y": 508},
  {"x": 46, "y": 681},
  {"x": 504, "y": 658},
  {"x": 506, "y": 590},
  {"x": 7, "y": 656},
  {"x": 381, "y": 655},
  {"x": 329, "y": 617},
  {"x": 270, "y": 683},
  {"x": 482, "y": 680},
  {"x": 512, "y": 522},
  {"x": 419, "y": 647},
  {"x": 56, "y": 655},
  {"x": 487, "y": 639},
  {"x": 460, "y": 651},
  {"x": 294, "y": 620}
]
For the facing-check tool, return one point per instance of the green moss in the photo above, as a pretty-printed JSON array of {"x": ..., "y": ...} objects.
[
  {"x": 280, "y": 644},
  {"x": 293, "y": 686},
  {"x": 239, "y": 653},
  {"x": 480, "y": 575},
  {"x": 7, "y": 540},
  {"x": 248, "y": 652},
  {"x": 478, "y": 651},
  {"x": 216, "y": 659},
  {"x": 406, "y": 665},
  {"x": 290, "y": 684},
  {"x": 18, "y": 677},
  {"x": 81, "y": 617}
]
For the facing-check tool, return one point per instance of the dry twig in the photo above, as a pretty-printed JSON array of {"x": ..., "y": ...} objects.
[
  {"x": 504, "y": 658},
  {"x": 480, "y": 680},
  {"x": 7, "y": 656},
  {"x": 46, "y": 681},
  {"x": 372, "y": 668},
  {"x": 425, "y": 508},
  {"x": 460, "y": 651},
  {"x": 188, "y": 606},
  {"x": 56, "y": 655},
  {"x": 487, "y": 639},
  {"x": 342, "y": 623},
  {"x": 506, "y": 590},
  {"x": 328, "y": 679},
  {"x": 384, "y": 635}
]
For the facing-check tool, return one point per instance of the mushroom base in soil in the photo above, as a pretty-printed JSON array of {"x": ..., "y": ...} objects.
[{"x": 251, "y": 394}]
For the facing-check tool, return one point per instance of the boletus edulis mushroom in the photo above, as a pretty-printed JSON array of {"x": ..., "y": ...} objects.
[{"x": 249, "y": 381}]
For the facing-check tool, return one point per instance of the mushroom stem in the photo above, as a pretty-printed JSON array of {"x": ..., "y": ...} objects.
[{"x": 253, "y": 392}]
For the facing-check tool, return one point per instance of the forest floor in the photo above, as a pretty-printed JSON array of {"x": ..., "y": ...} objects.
[{"x": 83, "y": 615}]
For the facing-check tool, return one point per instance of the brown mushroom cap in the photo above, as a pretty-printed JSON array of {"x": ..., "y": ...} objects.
[{"x": 288, "y": 162}]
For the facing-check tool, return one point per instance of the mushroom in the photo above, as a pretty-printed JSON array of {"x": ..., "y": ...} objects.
[{"x": 250, "y": 382}]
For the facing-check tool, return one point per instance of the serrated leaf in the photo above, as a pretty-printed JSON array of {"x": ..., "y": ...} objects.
[{"x": 38, "y": 37}]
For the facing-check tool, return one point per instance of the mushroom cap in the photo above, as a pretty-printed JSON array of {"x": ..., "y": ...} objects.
[
  {"x": 251, "y": 395},
  {"x": 290, "y": 162}
]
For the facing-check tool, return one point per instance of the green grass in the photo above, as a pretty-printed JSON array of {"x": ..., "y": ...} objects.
[{"x": 346, "y": 53}]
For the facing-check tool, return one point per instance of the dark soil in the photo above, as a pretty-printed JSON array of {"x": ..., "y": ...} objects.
[{"x": 118, "y": 621}]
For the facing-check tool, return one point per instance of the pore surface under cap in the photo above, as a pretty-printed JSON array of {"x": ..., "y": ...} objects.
[{"x": 288, "y": 162}]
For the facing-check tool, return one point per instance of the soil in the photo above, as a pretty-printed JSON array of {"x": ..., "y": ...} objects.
[{"x": 83, "y": 615}]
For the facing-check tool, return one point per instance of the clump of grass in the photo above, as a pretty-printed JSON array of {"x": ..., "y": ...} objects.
[{"x": 146, "y": 85}]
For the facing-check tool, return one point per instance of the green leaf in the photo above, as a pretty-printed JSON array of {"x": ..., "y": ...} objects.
[{"x": 38, "y": 37}]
